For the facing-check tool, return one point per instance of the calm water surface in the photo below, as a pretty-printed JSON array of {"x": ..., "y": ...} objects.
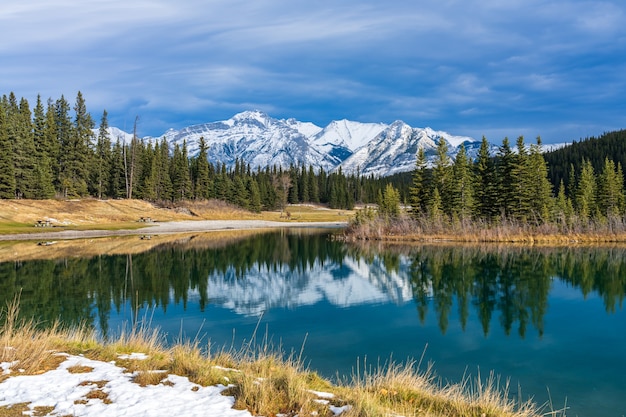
[{"x": 551, "y": 320}]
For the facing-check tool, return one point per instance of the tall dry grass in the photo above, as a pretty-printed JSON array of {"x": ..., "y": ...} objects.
[
  {"x": 261, "y": 378},
  {"x": 406, "y": 228}
]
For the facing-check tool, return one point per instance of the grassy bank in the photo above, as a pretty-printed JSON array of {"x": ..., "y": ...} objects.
[
  {"x": 20, "y": 216},
  {"x": 368, "y": 225},
  {"x": 262, "y": 379}
]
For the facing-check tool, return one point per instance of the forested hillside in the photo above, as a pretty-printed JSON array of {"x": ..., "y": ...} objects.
[
  {"x": 52, "y": 151},
  {"x": 514, "y": 187},
  {"x": 610, "y": 145}
]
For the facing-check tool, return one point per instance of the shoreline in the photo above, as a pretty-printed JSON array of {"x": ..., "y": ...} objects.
[{"x": 170, "y": 227}]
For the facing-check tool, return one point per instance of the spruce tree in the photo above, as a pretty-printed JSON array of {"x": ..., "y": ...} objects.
[
  {"x": 7, "y": 173},
  {"x": 117, "y": 177},
  {"x": 242, "y": 198},
  {"x": 202, "y": 171},
  {"x": 21, "y": 134},
  {"x": 50, "y": 143},
  {"x": 314, "y": 192},
  {"x": 610, "y": 190},
  {"x": 520, "y": 183},
  {"x": 463, "y": 202},
  {"x": 540, "y": 192},
  {"x": 586, "y": 192},
  {"x": 179, "y": 172},
  {"x": 390, "y": 204},
  {"x": 563, "y": 206},
  {"x": 442, "y": 176},
  {"x": 44, "y": 176},
  {"x": 417, "y": 190},
  {"x": 486, "y": 183},
  {"x": 506, "y": 182},
  {"x": 255, "y": 196},
  {"x": 39, "y": 127},
  {"x": 102, "y": 160}
]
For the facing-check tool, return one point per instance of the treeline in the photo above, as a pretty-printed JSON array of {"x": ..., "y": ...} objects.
[
  {"x": 49, "y": 152},
  {"x": 513, "y": 186},
  {"x": 564, "y": 161}
]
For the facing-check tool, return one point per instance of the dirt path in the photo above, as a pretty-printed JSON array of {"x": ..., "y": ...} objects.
[{"x": 171, "y": 227}]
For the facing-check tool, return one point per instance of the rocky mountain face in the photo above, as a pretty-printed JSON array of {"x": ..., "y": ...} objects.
[{"x": 254, "y": 138}]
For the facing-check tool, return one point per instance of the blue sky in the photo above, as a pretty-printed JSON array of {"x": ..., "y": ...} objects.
[{"x": 555, "y": 68}]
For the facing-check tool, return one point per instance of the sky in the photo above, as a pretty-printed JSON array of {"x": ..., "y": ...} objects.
[{"x": 554, "y": 68}]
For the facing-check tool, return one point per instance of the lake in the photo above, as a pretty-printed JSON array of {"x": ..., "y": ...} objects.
[{"x": 550, "y": 320}]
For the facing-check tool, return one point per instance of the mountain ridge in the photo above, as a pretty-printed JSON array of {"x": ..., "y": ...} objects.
[{"x": 255, "y": 138}]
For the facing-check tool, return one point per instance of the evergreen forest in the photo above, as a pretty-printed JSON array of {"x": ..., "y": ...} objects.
[{"x": 52, "y": 151}]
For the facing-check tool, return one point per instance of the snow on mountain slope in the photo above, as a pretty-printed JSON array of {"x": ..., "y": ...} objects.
[
  {"x": 255, "y": 138},
  {"x": 351, "y": 135},
  {"x": 395, "y": 148}
]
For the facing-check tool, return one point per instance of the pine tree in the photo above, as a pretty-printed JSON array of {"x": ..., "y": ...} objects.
[
  {"x": 117, "y": 177},
  {"x": 417, "y": 190},
  {"x": 21, "y": 135},
  {"x": 610, "y": 190},
  {"x": 202, "y": 171},
  {"x": 486, "y": 183},
  {"x": 304, "y": 186},
  {"x": 390, "y": 204},
  {"x": 463, "y": 202},
  {"x": 255, "y": 196},
  {"x": 314, "y": 192},
  {"x": 506, "y": 181},
  {"x": 102, "y": 160},
  {"x": 586, "y": 192},
  {"x": 50, "y": 143},
  {"x": 131, "y": 161},
  {"x": 520, "y": 183},
  {"x": 44, "y": 176},
  {"x": 73, "y": 139},
  {"x": 7, "y": 173},
  {"x": 435, "y": 206},
  {"x": 44, "y": 187},
  {"x": 442, "y": 176},
  {"x": 563, "y": 206},
  {"x": 164, "y": 187},
  {"x": 179, "y": 172},
  {"x": 540, "y": 188},
  {"x": 39, "y": 127},
  {"x": 294, "y": 191},
  {"x": 242, "y": 198}
]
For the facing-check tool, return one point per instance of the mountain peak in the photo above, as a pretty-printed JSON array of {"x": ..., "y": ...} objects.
[
  {"x": 257, "y": 139},
  {"x": 254, "y": 117}
]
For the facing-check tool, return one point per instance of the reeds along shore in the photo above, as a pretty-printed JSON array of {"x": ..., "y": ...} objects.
[
  {"x": 369, "y": 225},
  {"x": 264, "y": 380}
]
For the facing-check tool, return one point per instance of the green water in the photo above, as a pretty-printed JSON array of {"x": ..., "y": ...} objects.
[{"x": 550, "y": 320}]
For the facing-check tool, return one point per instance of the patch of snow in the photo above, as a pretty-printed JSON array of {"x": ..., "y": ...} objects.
[
  {"x": 67, "y": 393},
  {"x": 134, "y": 356}
]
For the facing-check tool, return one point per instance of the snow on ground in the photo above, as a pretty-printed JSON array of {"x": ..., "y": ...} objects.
[
  {"x": 69, "y": 393},
  {"x": 103, "y": 389}
]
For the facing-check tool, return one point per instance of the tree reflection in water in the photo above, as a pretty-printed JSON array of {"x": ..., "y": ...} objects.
[{"x": 503, "y": 283}]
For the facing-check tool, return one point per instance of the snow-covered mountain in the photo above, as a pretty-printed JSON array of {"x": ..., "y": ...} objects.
[
  {"x": 395, "y": 148},
  {"x": 254, "y": 138}
]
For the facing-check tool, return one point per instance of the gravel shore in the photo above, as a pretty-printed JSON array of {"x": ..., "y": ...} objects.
[{"x": 171, "y": 227}]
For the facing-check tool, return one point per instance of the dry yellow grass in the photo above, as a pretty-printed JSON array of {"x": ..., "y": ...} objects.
[{"x": 20, "y": 216}]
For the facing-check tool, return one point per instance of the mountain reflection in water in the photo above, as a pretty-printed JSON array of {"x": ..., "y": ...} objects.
[{"x": 276, "y": 270}]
